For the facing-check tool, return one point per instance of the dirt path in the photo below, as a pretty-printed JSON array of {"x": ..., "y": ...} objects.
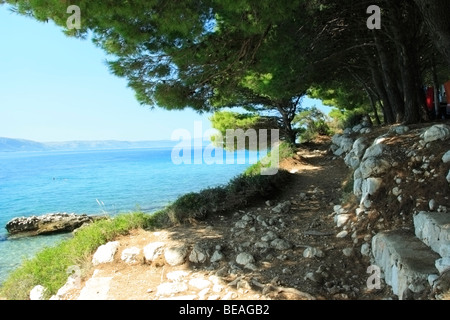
[{"x": 337, "y": 271}]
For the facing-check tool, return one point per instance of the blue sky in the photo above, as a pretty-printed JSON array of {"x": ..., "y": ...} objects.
[{"x": 56, "y": 88}]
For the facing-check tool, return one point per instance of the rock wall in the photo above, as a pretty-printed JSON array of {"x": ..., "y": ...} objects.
[{"x": 402, "y": 163}]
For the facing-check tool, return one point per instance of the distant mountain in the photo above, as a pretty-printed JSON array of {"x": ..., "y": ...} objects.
[
  {"x": 15, "y": 145},
  {"x": 9, "y": 145}
]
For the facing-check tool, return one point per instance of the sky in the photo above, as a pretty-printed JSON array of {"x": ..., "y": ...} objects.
[{"x": 57, "y": 88}]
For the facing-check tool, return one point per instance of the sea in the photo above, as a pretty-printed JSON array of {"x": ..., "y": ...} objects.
[{"x": 100, "y": 182}]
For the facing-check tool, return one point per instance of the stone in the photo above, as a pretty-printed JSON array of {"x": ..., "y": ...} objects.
[
  {"x": 375, "y": 151},
  {"x": 269, "y": 236},
  {"x": 341, "y": 219},
  {"x": 448, "y": 176},
  {"x": 446, "y": 157},
  {"x": 50, "y": 223},
  {"x": 261, "y": 245},
  {"x": 283, "y": 207},
  {"x": 342, "y": 234},
  {"x": 176, "y": 256},
  {"x": 170, "y": 288},
  {"x": 348, "y": 252},
  {"x": 432, "y": 205},
  {"x": 432, "y": 279},
  {"x": 404, "y": 259},
  {"x": 130, "y": 255},
  {"x": 357, "y": 187},
  {"x": 244, "y": 258},
  {"x": 199, "y": 283},
  {"x": 96, "y": 288},
  {"x": 312, "y": 252},
  {"x": 198, "y": 254},
  {"x": 73, "y": 282},
  {"x": 433, "y": 229},
  {"x": 442, "y": 264},
  {"x": 280, "y": 244},
  {"x": 346, "y": 144},
  {"x": 37, "y": 293},
  {"x": 153, "y": 251},
  {"x": 105, "y": 253},
  {"x": 437, "y": 132},
  {"x": 365, "y": 249},
  {"x": 369, "y": 187},
  {"x": 399, "y": 129},
  {"x": 396, "y": 191},
  {"x": 373, "y": 166},
  {"x": 217, "y": 256},
  {"x": 177, "y": 276}
]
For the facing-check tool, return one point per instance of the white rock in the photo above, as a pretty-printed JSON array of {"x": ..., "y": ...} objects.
[
  {"x": 432, "y": 205},
  {"x": 261, "y": 245},
  {"x": 347, "y": 252},
  {"x": 396, "y": 191},
  {"x": 198, "y": 254},
  {"x": 357, "y": 187},
  {"x": 130, "y": 255},
  {"x": 269, "y": 236},
  {"x": 359, "y": 211},
  {"x": 312, "y": 252},
  {"x": 346, "y": 144},
  {"x": 169, "y": 288},
  {"x": 176, "y": 256},
  {"x": 199, "y": 283},
  {"x": 241, "y": 224},
  {"x": 400, "y": 129},
  {"x": 37, "y": 293},
  {"x": 280, "y": 244},
  {"x": 96, "y": 288},
  {"x": 217, "y": 256},
  {"x": 105, "y": 253},
  {"x": 373, "y": 166},
  {"x": 365, "y": 249},
  {"x": 437, "y": 132},
  {"x": 244, "y": 258},
  {"x": 177, "y": 276},
  {"x": 342, "y": 234},
  {"x": 369, "y": 187},
  {"x": 374, "y": 151},
  {"x": 446, "y": 157},
  {"x": 432, "y": 279},
  {"x": 448, "y": 177},
  {"x": 341, "y": 219},
  {"x": 73, "y": 282},
  {"x": 282, "y": 207},
  {"x": 153, "y": 251},
  {"x": 442, "y": 264}
]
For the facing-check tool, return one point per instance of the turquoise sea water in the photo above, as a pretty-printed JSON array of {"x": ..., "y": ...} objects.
[{"x": 95, "y": 182}]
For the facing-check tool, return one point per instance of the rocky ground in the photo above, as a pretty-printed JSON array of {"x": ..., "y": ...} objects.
[
  {"x": 269, "y": 251},
  {"x": 294, "y": 247}
]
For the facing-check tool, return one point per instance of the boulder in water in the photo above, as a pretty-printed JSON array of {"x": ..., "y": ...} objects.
[{"x": 48, "y": 224}]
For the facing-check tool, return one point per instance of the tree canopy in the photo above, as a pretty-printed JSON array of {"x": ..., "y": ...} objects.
[{"x": 264, "y": 56}]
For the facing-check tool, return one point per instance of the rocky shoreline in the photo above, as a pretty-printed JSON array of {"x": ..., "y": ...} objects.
[{"x": 47, "y": 224}]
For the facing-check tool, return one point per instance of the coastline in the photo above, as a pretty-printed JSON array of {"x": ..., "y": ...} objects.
[{"x": 242, "y": 190}]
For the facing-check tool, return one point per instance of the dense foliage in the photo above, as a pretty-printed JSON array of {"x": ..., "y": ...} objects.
[{"x": 264, "y": 56}]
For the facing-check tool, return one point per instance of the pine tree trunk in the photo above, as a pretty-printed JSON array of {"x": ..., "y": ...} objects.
[
  {"x": 388, "y": 115},
  {"x": 390, "y": 82}
]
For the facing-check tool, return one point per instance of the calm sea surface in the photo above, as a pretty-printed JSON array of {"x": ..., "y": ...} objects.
[{"x": 95, "y": 182}]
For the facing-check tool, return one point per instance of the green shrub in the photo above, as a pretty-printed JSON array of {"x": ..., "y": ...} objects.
[{"x": 49, "y": 267}]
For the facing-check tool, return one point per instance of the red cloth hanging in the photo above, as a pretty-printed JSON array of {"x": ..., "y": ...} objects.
[{"x": 430, "y": 98}]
